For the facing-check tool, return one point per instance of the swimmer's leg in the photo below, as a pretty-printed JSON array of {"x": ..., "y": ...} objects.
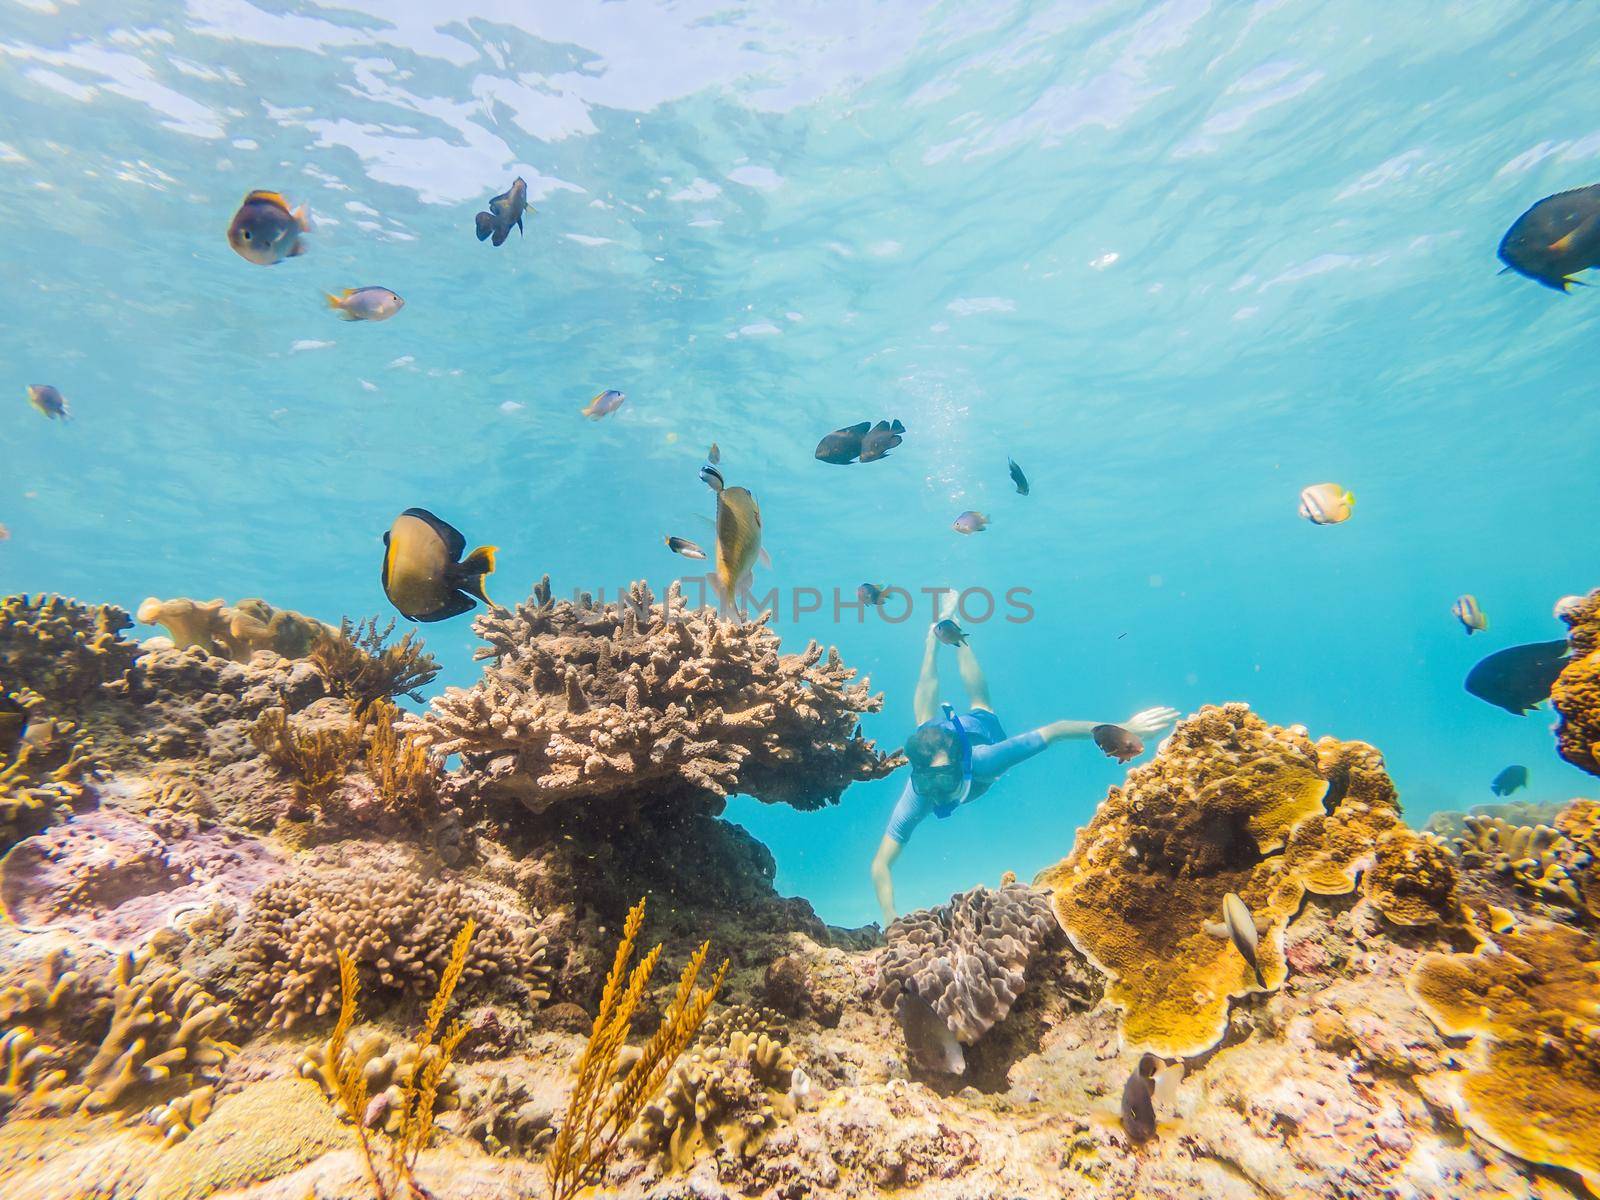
[
  {"x": 926, "y": 699},
  {"x": 973, "y": 679}
]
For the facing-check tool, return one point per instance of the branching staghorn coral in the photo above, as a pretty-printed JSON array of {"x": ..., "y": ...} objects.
[
  {"x": 69, "y": 653},
  {"x": 358, "y": 663},
  {"x": 234, "y": 631},
  {"x": 599, "y": 1114},
  {"x": 623, "y": 704},
  {"x": 725, "y": 1099},
  {"x": 1230, "y": 804},
  {"x": 967, "y": 959},
  {"x": 392, "y": 912},
  {"x": 1530, "y": 1002},
  {"x": 45, "y": 770},
  {"x": 162, "y": 1038}
]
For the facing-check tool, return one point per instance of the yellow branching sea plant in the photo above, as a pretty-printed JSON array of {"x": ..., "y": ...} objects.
[
  {"x": 403, "y": 773},
  {"x": 316, "y": 761},
  {"x": 600, "y": 1112},
  {"x": 395, "y": 1178},
  {"x": 358, "y": 662}
]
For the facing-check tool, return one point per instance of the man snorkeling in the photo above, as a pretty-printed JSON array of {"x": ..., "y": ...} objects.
[{"x": 955, "y": 758}]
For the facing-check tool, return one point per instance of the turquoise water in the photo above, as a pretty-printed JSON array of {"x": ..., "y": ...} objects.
[{"x": 1179, "y": 260}]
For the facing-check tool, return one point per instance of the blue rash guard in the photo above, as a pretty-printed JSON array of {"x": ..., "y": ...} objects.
[{"x": 993, "y": 754}]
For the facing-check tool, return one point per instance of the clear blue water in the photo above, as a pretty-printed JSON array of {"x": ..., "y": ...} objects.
[{"x": 1179, "y": 259}]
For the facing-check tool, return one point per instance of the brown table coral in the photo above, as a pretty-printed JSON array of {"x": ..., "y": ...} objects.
[
  {"x": 1230, "y": 804},
  {"x": 1576, "y": 694},
  {"x": 614, "y": 704},
  {"x": 1530, "y": 1001},
  {"x": 233, "y": 631}
]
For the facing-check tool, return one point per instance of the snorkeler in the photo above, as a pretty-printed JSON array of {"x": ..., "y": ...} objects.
[{"x": 955, "y": 758}]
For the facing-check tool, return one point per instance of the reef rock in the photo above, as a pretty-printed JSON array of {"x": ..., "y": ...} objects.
[
  {"x": 616, "y": 704},
  {"x": 1576, "y": 694}
]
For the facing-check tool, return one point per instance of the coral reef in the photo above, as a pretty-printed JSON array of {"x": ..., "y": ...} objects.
[
  {"x": 235, "y": 631},
  {"x": 386, "y": 1071},
  {"x": 394, "y": 914},
  {"x": 968, "y": 959},
  {"x": 1229, "y": 804},
  {"x": 359, "y": 663},
  {"x": 1529, "y": 1003},
  {"x": 1555, "y": 865},
  {"x": 315, "y": 759},
  {"x": 616, "y": 705},
  {"x": 504, "y": 1119},
  {"x": 48, "y": 768},
  {"x": 1413, "y": 880},
  {"x": 1576, "y": 693},
  {"x": 71, "y": 654}
]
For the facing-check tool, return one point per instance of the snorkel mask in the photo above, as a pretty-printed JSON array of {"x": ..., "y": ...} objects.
[{"x": 948, "y": 787}]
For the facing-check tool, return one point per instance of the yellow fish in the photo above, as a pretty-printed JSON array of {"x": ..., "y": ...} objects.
[
  {"x": 424, "y": 575},
  {"x": 1466, "y": 611},
  {"x": 1326, "y": 504},
  {"x": 738, "y": 542}
]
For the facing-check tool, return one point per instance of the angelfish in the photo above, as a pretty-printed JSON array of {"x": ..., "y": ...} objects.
[
  {"x": 1556, "y": 238},
  {"x": 505, "y": 210},
  {"x": 365, "y": 304},
  {"x": 1466, "y": 611},
  {"x": 424, "y": 575},
  {"x": 1326, "y": 504},
  {"x": 1240, "y": 926},
  {"x": 264, "y": 230}
]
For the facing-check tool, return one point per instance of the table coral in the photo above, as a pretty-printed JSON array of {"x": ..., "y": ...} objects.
[
  {"x": 967, "y": 959},
  {"x": 1576, "y": 693},
  {"x": 70, "y": 653},
  {"x": 44, "y": 774},
  {"x": 393, "y": 913},
  {"x": 616, "y": 704},
  {"x": 1229, "y": 804},
  {"x": 233, "y": 631},
  {"x": 1531, "y": 1004}
]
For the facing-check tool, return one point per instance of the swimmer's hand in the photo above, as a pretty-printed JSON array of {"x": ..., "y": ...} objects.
[{"x": 1150, "y": 722}]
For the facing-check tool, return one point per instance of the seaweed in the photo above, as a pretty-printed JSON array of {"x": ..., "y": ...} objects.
[
  {"x": 316, "y": 761},
  {"x": 358, "y": 664}
]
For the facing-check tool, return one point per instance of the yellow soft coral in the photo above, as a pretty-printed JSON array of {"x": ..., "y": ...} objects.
[
  {"x": 1531, "y": 1003},
  {"x": 1413, "y": 879},
  {"x": 1231, "y": 804}
]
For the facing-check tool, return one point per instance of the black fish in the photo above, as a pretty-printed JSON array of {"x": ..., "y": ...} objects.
[
  {"x": 13, "y": 720},
  {"x": 1519, "y": 678},
  {"x": 1558, "y": 236},
  {"x": 881, "y": 438},
  {"x": 1017, "y": 477},
  {"x": 1509, "y": 780},
  {"x": 1138, "y": 1104},
  {"x": 505, "y": 210},
  {"x": 843, "y": 445},
  {"x": 1116, "y": 742},
  {"x": 424, "y": 573}
]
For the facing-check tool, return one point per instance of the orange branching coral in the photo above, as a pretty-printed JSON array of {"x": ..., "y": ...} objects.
[
  {"x": 1554, "y": 864},
  {"x": 642, "y": 700},
  {"x": 404, "y": 774},
  {"x": 1231, "y": 804},
  {"x": 70, "y": 653},
  {"x": 359, "y": 664},
  {"x": 46, "y": 767},
  {"x": 1576, "y": 694},
  {"x": 1530, "y": 1001}
]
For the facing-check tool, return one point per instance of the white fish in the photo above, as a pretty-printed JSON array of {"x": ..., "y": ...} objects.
[
  {"x": 1238, "y": 924},
  {"x": 1326, "y": 504}
]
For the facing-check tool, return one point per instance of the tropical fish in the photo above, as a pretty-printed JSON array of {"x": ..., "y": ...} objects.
[
  {"x": 714, "y": 455},
  {"x": 424, "y": 575},
  {"x": 738, "y": 542},
  {"x": 871, "y": 594},
  {"x": 929, "y": 1041},
  {"x": 265, "y": 232},
  {"x": 5, "y": 534},
  {"x": 365, "y": 304},
  {"x": 13, "y": 721},
  {"x": 842, "y": 446},
  {"x": 1116, "y": 742},
  {"x": 49, "y": 401},
  {"x": 1519, "y": 678},
  {"x": 1166, "y": 1084},
  {"x": 685, "y": 547},
  {"x": 880, "y": 439},
  {"x": 1240, "y": 926},
  {"x": 1326, "y": 504},
  {"x": 712, "y": 478},
  {"x": 1138, "y": 1106},
  {"x": 505, "y": 210},
  {"x": 948, "y": 632},
  {"x": 971, "y": 522},
  {"x": 1466, "y": 611},
  {"x": 1017, "y": 477},
  {"x": 1509, "y": 780},
  {"x": 603, "y": 404},
  {"x": 1556, "y": 238}
]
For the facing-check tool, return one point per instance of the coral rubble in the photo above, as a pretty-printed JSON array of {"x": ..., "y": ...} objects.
[{"x": 614, "y": 705}]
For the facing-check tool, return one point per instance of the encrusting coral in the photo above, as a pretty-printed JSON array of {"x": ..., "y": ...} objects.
[
  {"x": 967, "y": 959},
  {"x": 1530, "y": 1001},
  {"x": 1576, "y": 692},
  {"x": 393, "y": 914},
  {"x": 69, "y": 653},
  {"x": 235, "y": 631},
  {"x": 359, "y": 663},
  {"x": 1413, "y": 880},
  {"x": 621, "y": 703},
  {"x": 162, "y": 1038},
  {"x": 1230, "y": 804},
  {"x": 47, "y": 767}
]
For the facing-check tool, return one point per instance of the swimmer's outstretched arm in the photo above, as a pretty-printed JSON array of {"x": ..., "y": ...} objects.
[{"x": 1142, "y": 724}]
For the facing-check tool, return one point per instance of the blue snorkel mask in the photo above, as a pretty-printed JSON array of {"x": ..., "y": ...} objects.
[{"x": 946, "y": 802}]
